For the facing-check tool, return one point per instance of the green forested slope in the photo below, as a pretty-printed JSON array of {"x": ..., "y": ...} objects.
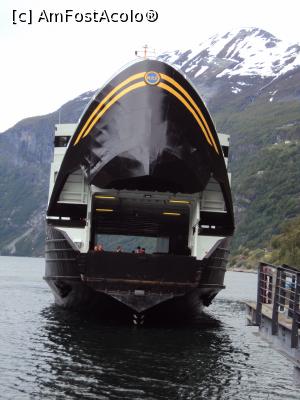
[
  {"x": 285, "y": 247},
  {"x": 265, "y": 166}
]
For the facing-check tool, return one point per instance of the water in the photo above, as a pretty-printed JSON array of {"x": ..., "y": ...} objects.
[{"x": 47, "y": 353}]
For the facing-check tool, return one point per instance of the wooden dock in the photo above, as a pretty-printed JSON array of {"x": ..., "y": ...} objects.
[{"x": 276, "y": 311}]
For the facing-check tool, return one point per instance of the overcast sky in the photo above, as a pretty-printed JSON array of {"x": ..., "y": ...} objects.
[{"x": 43, "y": 65}]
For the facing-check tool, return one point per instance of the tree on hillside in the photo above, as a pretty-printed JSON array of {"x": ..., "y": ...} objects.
[{"x": 286, "y": 246}]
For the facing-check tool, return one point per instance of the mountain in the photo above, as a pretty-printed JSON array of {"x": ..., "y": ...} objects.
[
  {"x": 249, "y": 53},
  {"x": 239, "y": 68},
  {"x": 26, "y": 152},
  {"x": 250, "y": 81}
]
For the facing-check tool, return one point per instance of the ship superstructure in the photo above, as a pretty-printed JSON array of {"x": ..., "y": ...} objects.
[{"x": 143, "y": 167}]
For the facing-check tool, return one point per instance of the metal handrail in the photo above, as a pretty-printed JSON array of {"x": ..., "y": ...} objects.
[{"x": 279, "y": 286}]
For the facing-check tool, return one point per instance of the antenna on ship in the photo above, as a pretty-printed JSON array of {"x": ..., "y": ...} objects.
[{"x": 146, "y": 52}]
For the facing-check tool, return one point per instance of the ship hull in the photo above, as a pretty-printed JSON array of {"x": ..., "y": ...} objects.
[{"x": 130, "y": 287}]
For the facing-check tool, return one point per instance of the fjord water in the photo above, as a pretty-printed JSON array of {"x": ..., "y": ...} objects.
[{"x": 49, "y": 353}]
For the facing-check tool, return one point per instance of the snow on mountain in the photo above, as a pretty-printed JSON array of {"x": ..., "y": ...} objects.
[{"x": 245, "y": 52}]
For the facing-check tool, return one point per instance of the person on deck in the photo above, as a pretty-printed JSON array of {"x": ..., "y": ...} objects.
[{"x": 99, "y": 247}]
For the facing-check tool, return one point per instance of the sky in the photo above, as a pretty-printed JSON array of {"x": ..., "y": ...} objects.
[{"x": 45, "y": 64}]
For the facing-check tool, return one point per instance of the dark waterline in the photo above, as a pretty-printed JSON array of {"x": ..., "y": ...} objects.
[{"x": 48, "y": 353}]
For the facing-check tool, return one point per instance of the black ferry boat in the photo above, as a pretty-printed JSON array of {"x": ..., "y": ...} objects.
[{"x": 143, "y": 165}]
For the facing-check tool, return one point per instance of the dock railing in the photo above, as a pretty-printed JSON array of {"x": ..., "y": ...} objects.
[{"x": 279, "y": 287}]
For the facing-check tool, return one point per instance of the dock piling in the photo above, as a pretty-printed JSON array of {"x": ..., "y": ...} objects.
[
  {"x": 295, "y": 305},
  {"x": 277, "y": 310}
]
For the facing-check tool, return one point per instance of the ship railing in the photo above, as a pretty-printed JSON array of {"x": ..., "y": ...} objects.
[
  {"x": 279, "y": 288},
  {"x": 212, "y": 205}
]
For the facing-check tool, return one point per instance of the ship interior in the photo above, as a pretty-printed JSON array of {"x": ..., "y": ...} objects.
[{"x": 137, "y": 217}]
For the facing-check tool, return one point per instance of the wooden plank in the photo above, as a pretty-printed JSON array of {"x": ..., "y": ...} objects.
[{"x": 267, "y": 311}]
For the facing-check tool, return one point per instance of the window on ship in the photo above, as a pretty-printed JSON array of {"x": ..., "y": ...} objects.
[{"x": 61, "y": 141}]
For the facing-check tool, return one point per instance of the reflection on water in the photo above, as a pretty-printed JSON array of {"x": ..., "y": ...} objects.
[
  {"x": 108, "y": 359},
  {"x": 49, "y": 353}
]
